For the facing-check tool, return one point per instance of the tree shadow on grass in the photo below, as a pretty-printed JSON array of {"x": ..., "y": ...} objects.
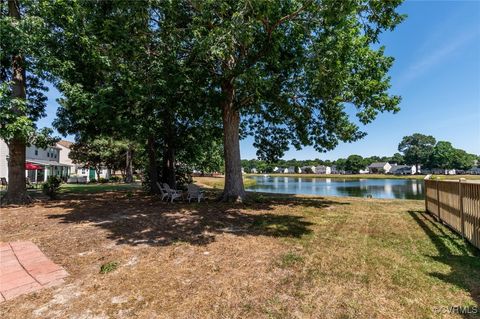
[
  {"x": 146, "y": 220},
  {"x": 462, "y": 258}
]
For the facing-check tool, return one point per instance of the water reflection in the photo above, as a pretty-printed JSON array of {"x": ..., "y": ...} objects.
[{"x": 377, "y": 188}]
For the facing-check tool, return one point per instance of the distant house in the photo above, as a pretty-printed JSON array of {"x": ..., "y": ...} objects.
[
  {"x": 80, "y": 172},
  {"x": 403, "y": 170},
  {"x": 322, "y": 169},
  {"x": 89, "y": 173},
  {"x": 474, "y": 171},
  {"x": 450, "y": 172},
  {"x": 366, "y": 170},
  {"x": 46, "y": 160},
  {"x": 308, "y": 169},
  {"x": 335, "y": 170},
  {"x": 291, "y": 170},
  {"x": 253, "y": 171},
  {"x": 442, "y": 171},
  {"x": 284, "y": 170},
  {"x": 379, "y": 167},
  {"x": 276, "y": 170}
]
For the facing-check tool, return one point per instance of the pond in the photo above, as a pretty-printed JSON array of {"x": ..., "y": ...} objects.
[{"x": 376, "y": 188}]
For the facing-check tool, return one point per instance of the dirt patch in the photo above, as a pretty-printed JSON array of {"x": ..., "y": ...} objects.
[{"x": 278, "y": 258}]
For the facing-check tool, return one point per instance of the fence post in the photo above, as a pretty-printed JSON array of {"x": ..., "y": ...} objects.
[
  {"x": 438, "y": 201},
  {"x": 462, "y": 214},
  {"x": 425, "y": 182}
]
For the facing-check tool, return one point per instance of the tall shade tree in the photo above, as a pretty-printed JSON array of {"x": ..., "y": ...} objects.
[
  {"x": 417, "y": 149},
  {"x": 445, "y": 156},
  {"x": 130, "y": 77},
  {"x": 355, "y": 163},
  {"x": 22, "y": 101},
  {"x": 285, "y": 72}
]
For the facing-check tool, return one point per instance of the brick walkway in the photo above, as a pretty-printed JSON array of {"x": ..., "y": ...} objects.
[{"x": 24, "y": 268}]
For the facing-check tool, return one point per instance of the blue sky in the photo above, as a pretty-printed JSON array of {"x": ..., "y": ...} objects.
[{"x": 436, "y": 71}]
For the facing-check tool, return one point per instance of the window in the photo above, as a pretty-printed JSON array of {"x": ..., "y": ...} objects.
[
  {"x": 36, "y": 152},
  {"x": 48, "y": 154}
]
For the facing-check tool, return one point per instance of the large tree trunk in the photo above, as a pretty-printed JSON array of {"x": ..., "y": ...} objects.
[
  {"x": 128, "y": 166},
  {"x": 233, "y": 189},
  {"x": 152, "y": 165},
  {"x": 168, "y": 167},
  {"x": 17, "y": 191},
  {"x": 98, "y": 170},
  {"x": 168, "y": 161}
]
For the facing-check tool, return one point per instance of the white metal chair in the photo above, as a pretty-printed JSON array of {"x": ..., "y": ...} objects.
[
  {"x": 173, "y": 193},
  {"x": 194, "y": 192},
  {"x": 163, "y": 192}
]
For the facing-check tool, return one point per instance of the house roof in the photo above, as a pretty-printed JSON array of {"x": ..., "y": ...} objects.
[
  {"x": 45, "y": 163},
  {"x": 378, "y": 164},
  {"x": 65, "y": 143},
  {"x": 400, "y": 167}
]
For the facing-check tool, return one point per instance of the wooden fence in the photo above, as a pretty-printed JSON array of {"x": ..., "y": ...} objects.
[{"x": 457, "y": 204}]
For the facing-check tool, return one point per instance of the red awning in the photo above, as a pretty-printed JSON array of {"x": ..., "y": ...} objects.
[{"x": 32, "y": 167}]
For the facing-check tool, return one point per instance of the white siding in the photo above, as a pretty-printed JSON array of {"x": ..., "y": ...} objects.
[
  {"x": 43, "y": 154},
  {"x": 64, "y": 155},
  {"x": 3, "y": 159}
]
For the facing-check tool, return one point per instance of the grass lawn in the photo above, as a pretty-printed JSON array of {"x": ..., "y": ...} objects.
[
  {"x": 218, "y": 182},
  {"x": 98, "y": 188},
  {"x": 373, "y": 176},
  {"x": 131, "y": 256}
]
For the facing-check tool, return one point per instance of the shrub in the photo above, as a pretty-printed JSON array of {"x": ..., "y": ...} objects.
[
  {"x": 115, "y": 179},
  {"x": 51, "y": 186},
  {"x": 93, "y": 181},
  {"x": 108, "y": 267},
  {"x": 102, "y": 180}
]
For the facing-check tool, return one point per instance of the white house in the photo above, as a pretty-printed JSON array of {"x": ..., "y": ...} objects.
[
  {"x": 79, "y": 172},
  {"x": 308, "y": 169},
  {"x": 46, "y": 159},
  {"x": 403, "y": 170},
  {"x": 292, "y": 170},
  {"x": 322, "y": 169},
  {"x": 335, "y": 170},
  {"x": 253, "y": 171},
  {"x": 474, "y": 171},
  {"x": 276, "y": 170},
  {"x": 379, "y": 167}
]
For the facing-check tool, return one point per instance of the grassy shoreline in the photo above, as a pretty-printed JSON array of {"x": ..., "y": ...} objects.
[{"x": 371, "y": 176}]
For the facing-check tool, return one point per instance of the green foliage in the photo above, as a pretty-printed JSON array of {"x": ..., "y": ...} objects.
[
  {"x": 109, "y": 267},
  {"x": 417, "y": 148},
  {"x": 115, "y": 179},
  {"x": 102, "y": 180},
  {"x": 100, "y": 152},
  {"x": 355, "y": 163},
  {"x": 445, "y": 156},
  {"x": 293, "y": 65},
  {"x": 21, "y": 42},
  {"x": 51, "y": 186}
]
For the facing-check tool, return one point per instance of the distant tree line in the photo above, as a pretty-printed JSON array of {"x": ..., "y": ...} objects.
[{"x": 417, "y": 149}]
